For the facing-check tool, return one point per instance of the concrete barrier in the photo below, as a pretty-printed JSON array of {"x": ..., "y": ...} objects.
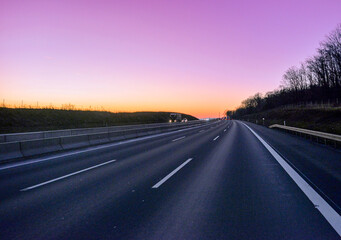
[
  {"x": 10, "y": 151},
  {"x": 117, "y": 135},
  {"x": 98, "y": 130},
  {"x": 113, "y": 129},
  {"x": 40, "y": 146},
  {"x": 98, "y": 138},
  {"x": 58, "y": 133},
  {"x": 81, "y": 131},
  {"x": 164, "y": 128},
  {"x": 142, "y": 132},
  {"x": 130, "y": 133},
  {"x": 65, "y": 141},
  {"x": 15, "y": 137},
  {"x": 75, "y": 141},
  {"x": 152, "y": 131},
  {"x": 84, "y": 131}
]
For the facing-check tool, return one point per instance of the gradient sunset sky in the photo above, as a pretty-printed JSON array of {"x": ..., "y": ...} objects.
[{"x": 196, "y": 57}]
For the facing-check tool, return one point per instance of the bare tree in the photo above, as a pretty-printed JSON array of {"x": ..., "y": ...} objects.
[
  {"x": 318, "y": 78},
  {"x": 291, "y": 79}
]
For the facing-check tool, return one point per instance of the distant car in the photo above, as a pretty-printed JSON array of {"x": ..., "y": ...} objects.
[
  {"x": 184, "y": 120},
  {"x": 175, "y": 117}
]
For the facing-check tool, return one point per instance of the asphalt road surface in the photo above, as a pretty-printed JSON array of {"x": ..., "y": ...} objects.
[{"x": 222, "y": 181}]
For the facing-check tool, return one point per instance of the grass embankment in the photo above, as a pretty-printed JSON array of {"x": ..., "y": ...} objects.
[
  {"x": 319, "y": 119},
  {"x": 28, "y": 120}
]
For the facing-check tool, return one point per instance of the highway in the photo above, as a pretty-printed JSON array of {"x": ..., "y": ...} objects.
[{"x": 222, "y": 181}]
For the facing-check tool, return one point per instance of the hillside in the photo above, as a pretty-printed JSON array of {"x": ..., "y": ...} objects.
[
  {"x": 319, "y": 119},
  {"x": 27, "y": 120}
]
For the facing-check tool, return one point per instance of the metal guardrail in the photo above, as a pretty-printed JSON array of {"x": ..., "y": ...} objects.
[{"x": 326, "y": 136}]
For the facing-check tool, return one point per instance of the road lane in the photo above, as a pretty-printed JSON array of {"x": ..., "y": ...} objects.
[
  {"x": 14, "y": 179},
  {"x": 177, "y": 139},
  {"x": 147, "y": 164},
  {"x": 238, "y": 191},
  {"x": 87, "y": 150},
  {"x": 163, "y": 180},
  {"x": 66, "y": 176},
  {"x": 232, "y": 189}
]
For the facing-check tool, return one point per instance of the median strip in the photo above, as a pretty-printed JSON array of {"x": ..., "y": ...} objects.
[
  {"x": 178, "y": 138},
  {"x": 172, "y": 173},
  {"x": 66, "y": 176}
]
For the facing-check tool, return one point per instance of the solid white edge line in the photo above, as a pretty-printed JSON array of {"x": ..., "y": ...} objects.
[
  {"x": 322, "y": 206},
  {"x": 178, "y": 138},
  {"x": 65, "y": 176},
  {"x": 91, "y": 148},
  {"x": 216, "y": 138},
  {"x": 172, "y": 173}
]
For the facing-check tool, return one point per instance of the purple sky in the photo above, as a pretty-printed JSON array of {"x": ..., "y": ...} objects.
[{"x": 198, "y": 57}]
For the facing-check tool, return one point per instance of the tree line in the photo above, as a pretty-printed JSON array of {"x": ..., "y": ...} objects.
[{"x": 318, "y": 79}]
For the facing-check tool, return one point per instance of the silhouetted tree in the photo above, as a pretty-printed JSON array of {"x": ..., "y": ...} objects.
[{"x": 317, "y": 79}]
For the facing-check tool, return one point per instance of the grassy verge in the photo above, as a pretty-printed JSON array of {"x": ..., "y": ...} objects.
[
  {"x": 28, "y": 120},
  {"x": 323, "y": 119}
]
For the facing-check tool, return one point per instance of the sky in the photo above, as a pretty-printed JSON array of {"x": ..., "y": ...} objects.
[{"x": 190, "y": 56}]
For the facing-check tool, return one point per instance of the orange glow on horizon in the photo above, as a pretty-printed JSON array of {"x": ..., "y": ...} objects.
[
  {"x": 199, "y": 111},
  {"x": 195, "y": 59}
]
